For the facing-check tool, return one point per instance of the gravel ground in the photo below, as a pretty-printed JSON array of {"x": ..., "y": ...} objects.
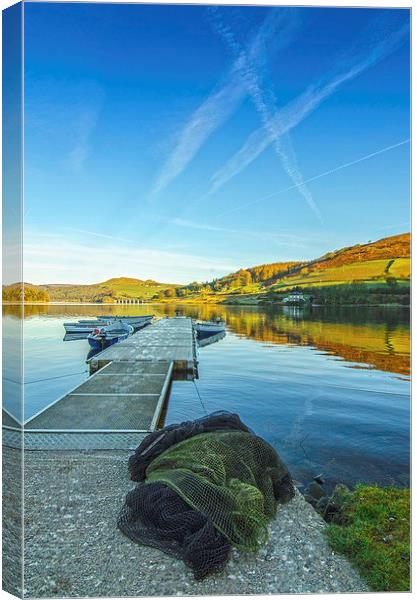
[
  {"x": 12, "y": 522},
  {"x": 73, "y": 547}
]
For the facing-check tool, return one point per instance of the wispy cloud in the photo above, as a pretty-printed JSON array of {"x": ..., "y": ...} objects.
[
  {"x": 264, "y": 102},
  {"x": 318, "y": 176},
  {"x": 405, "y": 225},
  {"x": 60, "y": 259},
  {"x": 371, "y": 51},
  {"x": 281, "y": 239},
  {"x": 12, "y": 254},
  {"x": 208, "y": 117},
  {"x": 225, "y": 98},
  {"x": 82, "y": 127},
  {"x": 64, "y": 115},
  {"x": 202, "y": 226},
  {"x": 87, "y": 233}
]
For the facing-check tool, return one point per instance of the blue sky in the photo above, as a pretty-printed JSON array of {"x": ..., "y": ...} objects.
[{"x": 180, "y": 143}]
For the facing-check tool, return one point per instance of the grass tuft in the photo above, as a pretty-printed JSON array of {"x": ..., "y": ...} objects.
[{"x": 373, "y": 531}]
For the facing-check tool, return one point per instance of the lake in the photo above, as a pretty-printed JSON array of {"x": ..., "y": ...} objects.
[{"x": 329, "y": 389}]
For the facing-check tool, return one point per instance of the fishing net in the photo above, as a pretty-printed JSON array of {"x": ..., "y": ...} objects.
[
  {"x": 157, "y": 442},
  {"x": 205, "y": 494},
  {"x": 155, "y": 515}
]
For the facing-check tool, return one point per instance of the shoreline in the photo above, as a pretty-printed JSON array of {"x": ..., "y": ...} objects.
[
  {"x": 74, "y": 515},
  {"x": 195, "y": 302}
]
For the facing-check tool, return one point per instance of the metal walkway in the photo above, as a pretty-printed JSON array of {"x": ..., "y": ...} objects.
[
  {"x": 8, "y": 420},
  {"x": 122, "y": 400},
  {"x": 168, "y": 340}
]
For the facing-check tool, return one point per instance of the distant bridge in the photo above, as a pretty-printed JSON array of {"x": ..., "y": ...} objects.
[{"x": 129, "y": 301}]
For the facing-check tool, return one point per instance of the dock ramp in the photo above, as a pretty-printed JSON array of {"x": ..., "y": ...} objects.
[
  {"x": 120, "y": 398},
  {"x": 125, "y": 396}
]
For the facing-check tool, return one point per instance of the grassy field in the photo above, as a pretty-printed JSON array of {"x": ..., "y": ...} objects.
[
  {"x": 385, "y": 262},
  {"x": 374, "y": 532},
  {"x": 368, "y": 271},
  {"x": 107, "y": 291},
  {"x": 386, "y": 277},
  {"x": 131, "y": 288},
  {"x": 401, "y": 268}
]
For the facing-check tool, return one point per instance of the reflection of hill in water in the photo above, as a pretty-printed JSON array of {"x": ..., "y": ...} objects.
[
  {"x": 381, "y": 346},
  {"x": 375, "y": 336},
  {"x": 378, "y": 337}
]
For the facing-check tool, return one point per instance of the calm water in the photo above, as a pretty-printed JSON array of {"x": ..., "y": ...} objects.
[{"x": 328, "y": 389}]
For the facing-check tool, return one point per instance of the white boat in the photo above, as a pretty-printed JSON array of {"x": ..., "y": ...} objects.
[
  {"x": 207, "y": 328},
  {"x": 101, "y": 337},
  {"x": 85, "y": 326},
  {"x": 131, "y": 320}
]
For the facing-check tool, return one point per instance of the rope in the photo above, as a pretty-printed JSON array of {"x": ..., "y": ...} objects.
[
  {"x": 46, "y": 378},
  {"x": 198, "y": 394}
]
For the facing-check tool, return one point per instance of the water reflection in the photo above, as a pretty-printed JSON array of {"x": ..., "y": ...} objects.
[
  {"x": 12, "y": 365},
  {"x": 328, "y": 388},
  {"x": 370, "y": 337},
  {"x": 211, "y": 339}
]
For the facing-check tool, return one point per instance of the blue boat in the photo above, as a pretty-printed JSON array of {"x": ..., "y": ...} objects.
[
  {"x": 85, "y": 326},
  {"x": 205, "y": 329},
  {"x": 102, "y": 337}
]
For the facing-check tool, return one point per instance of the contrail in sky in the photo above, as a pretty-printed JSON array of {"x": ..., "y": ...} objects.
[
  {"x": 225, "y": 98},
  {"x": 265, "y": 107},
  {"x": 297, "y": 110},
  {"x": 319, "y": 176}
]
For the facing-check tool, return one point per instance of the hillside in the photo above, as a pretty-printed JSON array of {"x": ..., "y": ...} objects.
[
  {"x": 107, "y": 291},
  {"x": 383, "y": 263},
  {"x": 251, "y": 279},
  {"x": 33, "y": 293},
  {"x": 382, "y": 267}
]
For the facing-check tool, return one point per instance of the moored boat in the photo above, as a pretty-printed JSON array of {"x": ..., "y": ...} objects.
[
  {"x": 207, "y": 328},
  {"x": 101, "y": 337},
  {"x": 131, "y": 320},
  {"x": 85, "y": 326},
  {"x": 207, "y": 340}
]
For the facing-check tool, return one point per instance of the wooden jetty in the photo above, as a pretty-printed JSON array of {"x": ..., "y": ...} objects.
[{"x": 128, "y": 388}]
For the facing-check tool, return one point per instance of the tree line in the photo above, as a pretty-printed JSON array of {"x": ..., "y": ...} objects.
[{"x": 14, "y": 293}]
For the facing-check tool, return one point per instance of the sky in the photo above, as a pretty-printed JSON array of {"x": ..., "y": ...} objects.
[{"x": 181, "y": 143}]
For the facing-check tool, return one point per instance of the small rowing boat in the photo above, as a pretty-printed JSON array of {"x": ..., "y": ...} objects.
[
  {"x": 207, "y": 328},
  {"x": 131, "y": 320},
  {"x": 101, "y": 337},
  {"x": 85, "y": 326},
  {"x": 210, "y": 339}
]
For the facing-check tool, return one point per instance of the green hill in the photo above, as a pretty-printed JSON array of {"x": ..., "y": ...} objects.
[
  {"x": 107, "y": 291},
  {"x": 376, "y": 262},
  {"x": 33, "y": 293},
  {"x": 118, "y": 288},
  {"x": 381, "y": 267},
  {"x": 382, "y": 264}
]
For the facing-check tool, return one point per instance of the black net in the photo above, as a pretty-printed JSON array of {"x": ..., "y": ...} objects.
[
  {"x": 204, "y": 490},
  {"x": 157, "y": 442},
  {"x": 157, "y": 516}
]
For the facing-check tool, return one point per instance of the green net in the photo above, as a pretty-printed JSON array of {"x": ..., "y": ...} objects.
[{"x": 232, "y": 477}]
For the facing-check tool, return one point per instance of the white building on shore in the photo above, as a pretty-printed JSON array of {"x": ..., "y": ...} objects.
[{"x": 296, "y": 296}]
